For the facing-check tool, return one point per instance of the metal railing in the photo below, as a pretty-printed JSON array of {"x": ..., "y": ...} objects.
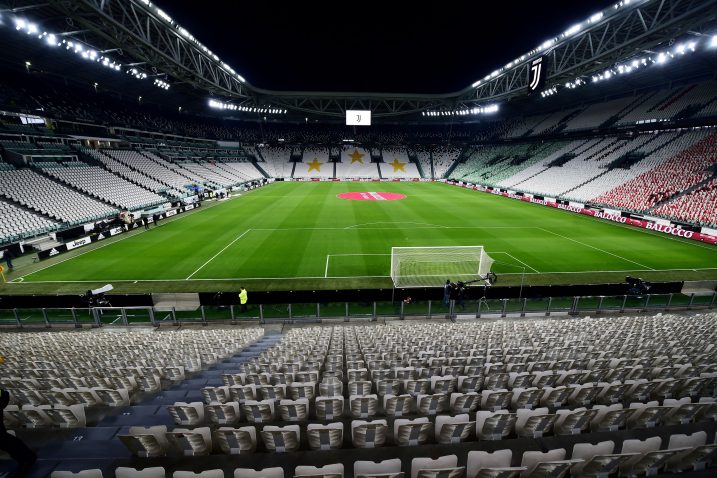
[{"x": 356, "y": 311}]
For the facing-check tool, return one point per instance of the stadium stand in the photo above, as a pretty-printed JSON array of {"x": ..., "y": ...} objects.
[
  {"x": 697, "y": 205},
  {"x": 131, "y": 174},
  {"x": 40, "y": 193},
  {"x": 157, "y": 170},
  {"x": 102, "y": 184},
  {"x": 276, "y": 161},
  {"x": 448, "y": 390},
  {"x": 18, "y": 223},
  {"x": 679, "y": 173},
  {"x": 315, "y": 164},
  {"x": 396, "y": 164},
  {"x": 356, "y": 163}
]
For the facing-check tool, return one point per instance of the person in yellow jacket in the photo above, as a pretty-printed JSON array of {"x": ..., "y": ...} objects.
[{"x": 243, "y": 298}]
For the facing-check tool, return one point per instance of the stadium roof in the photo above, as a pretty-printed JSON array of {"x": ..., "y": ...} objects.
[{"x": 141, "y": 40}]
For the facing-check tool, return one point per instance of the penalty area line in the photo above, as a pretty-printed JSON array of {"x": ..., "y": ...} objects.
[
  {"x": 597, "y": 248},
  {"x": 215, "y": 255}
]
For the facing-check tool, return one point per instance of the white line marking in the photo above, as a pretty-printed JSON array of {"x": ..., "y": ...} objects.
[
  {"x": 360, "y": 254},
  {"x": 215, "y": 255},
  {"x": 425, "y": 224},
  {"x": 340, "y": 277},
  {"x": 526, "y": 265},
  {"x": 649, "y": 232},
  {"x": 596, "y": 248},
  {"x": 126, "y": 235},
  {"x": 326, "y": 271}
]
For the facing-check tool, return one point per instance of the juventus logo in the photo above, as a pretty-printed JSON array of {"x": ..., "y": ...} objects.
[{"x": 536, "y": 74}]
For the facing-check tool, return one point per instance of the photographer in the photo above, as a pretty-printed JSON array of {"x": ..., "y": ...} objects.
[{"x": 458, "y": 294}]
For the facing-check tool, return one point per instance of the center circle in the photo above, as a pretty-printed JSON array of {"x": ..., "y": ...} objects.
[{"x": 371, "y": 196}]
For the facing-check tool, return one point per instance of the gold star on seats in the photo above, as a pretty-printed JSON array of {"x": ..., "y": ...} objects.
[
  {"x": 315, "y": 164},
  {"x": 356, "y": 157},
  {"x": 398, "y": 166}
]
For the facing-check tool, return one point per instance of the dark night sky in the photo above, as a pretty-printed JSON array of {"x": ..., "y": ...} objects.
[{"x": 390, "y": 46}]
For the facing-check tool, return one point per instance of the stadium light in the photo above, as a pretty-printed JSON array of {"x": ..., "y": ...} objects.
[{"x": 713, "y": 43}]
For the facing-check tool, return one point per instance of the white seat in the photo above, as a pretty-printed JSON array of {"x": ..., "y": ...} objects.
[
  {"x": 325, "y": 437},
  {"x": 370, "y": 468},
  {"x": 418, "y": 464},
  {"x": 491, "y": 464},
  {"x": 201, "y": 474},
  {"x": 226, "y": 413},
  {"x": 453, "y": 429},
  {"x": 146, "y": 442},
  {"x": 328, "y": 408},
  {"x": 194, "y": 442},
  {"x": 586, "y": 451},
  {"x": 276, "y": 472},
  {"x": 151, "y": 472},
  {"x": 294, "y": 410},
  {"x": 94, "y": 473},
  {"x": 494, "y": 425},
  {"x": 235, "y": 441},
  {"x": 369, "y": 434},
  {"x": 531, "y": 459},
  {"x": 336, "y": 469},
  {"x": 188, "y": 414},
  {"x": 412, "y": 432},
  {"x": 683, "y": 440},
  {"x": 281, "y": 439}
]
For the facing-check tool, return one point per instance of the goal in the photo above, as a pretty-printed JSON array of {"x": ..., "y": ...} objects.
[{"x": 432, "y": 266}]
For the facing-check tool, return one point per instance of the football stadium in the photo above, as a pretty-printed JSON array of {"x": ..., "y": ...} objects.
[{"x": 250, "y": 239}]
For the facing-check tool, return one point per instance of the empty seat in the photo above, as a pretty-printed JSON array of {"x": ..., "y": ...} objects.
[
  {"x": 201, "y": 474},
  {"x": 194, "y": 442},
  {"x": 223, "y": 413},
  {"x": 150, "y": 472},
  {"x": 325, "y": 437},
  {"x": 95, "y": 473},
  {"x": 328, "y": 471},
  {"x": 453, "y": 429},
  {"x": 494, "y": 425},
  {"x": 371, "y": 434},
  {"x": 294, "y": 410},
  {"x": 483, "y": 464},
  {"x": 146, "y": 442},
  {"x": 235, "y": 441},
  {"x": 366, "y": 469},
  {"x": 427, "y": 464},
  {"x": 281, "y": 439},
  {"x": 412, "y": 432},
  {"x": 189, "y": 414},
  {"x": 276, "y": 472}
]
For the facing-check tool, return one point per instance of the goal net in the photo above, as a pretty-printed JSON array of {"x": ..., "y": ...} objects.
[{"x": 432, "y": 266}]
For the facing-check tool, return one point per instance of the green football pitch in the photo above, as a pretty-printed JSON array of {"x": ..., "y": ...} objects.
[{"x": 294, "y": 236}]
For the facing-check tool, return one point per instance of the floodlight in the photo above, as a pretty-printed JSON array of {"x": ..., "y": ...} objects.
[
  {"x": 596, "y": 18},
  {"x": 31, "y": 28},
  {"x": 19, "y": 24},
  {"x": 573, "y": 30},
  {"x": 51, "y": 39},
  {"x": 713, "y": 43}
]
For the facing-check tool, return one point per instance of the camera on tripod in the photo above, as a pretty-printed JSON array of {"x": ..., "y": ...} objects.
[
  {"x": 96, "y": 297},
  {"x": 637, "y": 286}
]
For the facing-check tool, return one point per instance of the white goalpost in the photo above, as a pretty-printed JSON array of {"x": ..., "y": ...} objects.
[{"x": 432, "y": 266}]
